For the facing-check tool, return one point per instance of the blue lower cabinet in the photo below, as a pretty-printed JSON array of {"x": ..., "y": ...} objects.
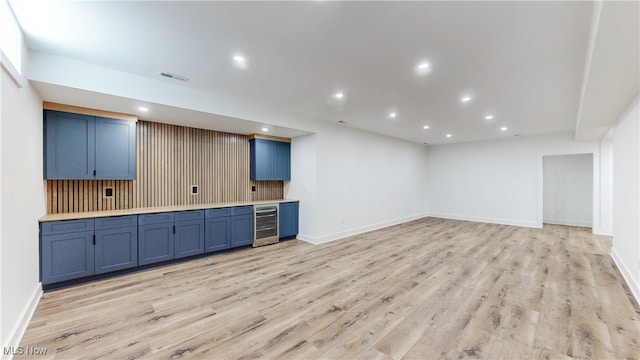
[
  {"x": 218, "y": 233},
  {"x": 74, "y": 249},
  {"x": 241, "y": 230},
  {"x": 189, "y": 238},
  {"x": 288, "y": 217},
  {"x": 116, "y": 249},
  {"x": 167, "y": 236},
  {"x": 66, "y": 256},
  {"x": 155, "y": 238},
  {"x": 155, "y": 243}
]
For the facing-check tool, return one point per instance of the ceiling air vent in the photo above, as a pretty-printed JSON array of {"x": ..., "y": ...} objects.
[{"x": 174, "y": 76}]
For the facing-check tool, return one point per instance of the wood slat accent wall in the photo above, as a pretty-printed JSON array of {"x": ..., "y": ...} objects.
[
  {"x": 66, "y": 196},
  {"x": 170, "y": 159}
]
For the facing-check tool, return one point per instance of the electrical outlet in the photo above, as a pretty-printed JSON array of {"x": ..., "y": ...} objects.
[
  {"x": 253, "y": 188},
  {"x": 194, "y": 189},
  {"x": 108, "y": 192}
]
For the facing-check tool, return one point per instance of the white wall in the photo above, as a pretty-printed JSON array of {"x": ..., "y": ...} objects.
[
  {"x": 568, "y": 190},
  {"x": 626, "y": 196},
  {"x": 606, "y": 185},
  {"x": 363, "y": 181},
  {"x": 22, "y": 194},
  {"x": 304, "y": 184},
  {"x": 498, "y": 181}
]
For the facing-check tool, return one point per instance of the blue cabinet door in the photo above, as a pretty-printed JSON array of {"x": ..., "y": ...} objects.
[
  {"x": 262, "y": 159},
  {"x": 218, "y": 233},
  {"x": 282, "y": 161},
  {"x": 116, "y": 249},
  {"x": 155, "y": 242},
  {"x": 269, "y": 160},
  {"x": 241, "y": 230},
  {"x": 288, "y": 219},
  {"x": 79, "y": 147},
  {"x": 189, "y": 238},
  {"x": 69, "y": 146},
  {"x": 115, "y": 149},
  {"x": 66, "y": 256}
]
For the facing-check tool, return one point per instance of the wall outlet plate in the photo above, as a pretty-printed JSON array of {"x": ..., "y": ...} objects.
[
  {"x": 194, "y": 190},
  {"x": 108, "y": 192}
]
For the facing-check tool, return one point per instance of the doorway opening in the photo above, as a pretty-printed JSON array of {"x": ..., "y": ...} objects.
[{"x": 568, "y": 190}]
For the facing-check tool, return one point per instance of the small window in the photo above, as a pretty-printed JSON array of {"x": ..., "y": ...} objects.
[{"x": 10, "y": 40}]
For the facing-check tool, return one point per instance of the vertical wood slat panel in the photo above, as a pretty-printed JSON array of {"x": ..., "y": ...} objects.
[{"x": 169, "y": 159}]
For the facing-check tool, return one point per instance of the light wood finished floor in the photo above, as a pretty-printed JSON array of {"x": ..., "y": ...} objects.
[{"x": 426, "y": 289}]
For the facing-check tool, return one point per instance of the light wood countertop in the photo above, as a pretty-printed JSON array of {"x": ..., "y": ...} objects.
[{"x": 151, "y": 210}]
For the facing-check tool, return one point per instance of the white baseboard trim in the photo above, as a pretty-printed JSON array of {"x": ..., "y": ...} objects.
[
  {"x": 626, "y": 274},
  {"x": 513, "y": 222},
  {"x": 317, "y": 240},
  {"x": 567, "y": 222},
  {"x": 601, "y": 232},
  {"x": 15, "y": 336},
  {"x": 305, "y": 238}
]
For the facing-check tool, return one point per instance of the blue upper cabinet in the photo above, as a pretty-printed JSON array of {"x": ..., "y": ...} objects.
[
  {"x": 270, "y": 160},
  {"x": 80, "y": 147},
  {"x": 115, "y": 149},
  {"x": 69, "y": 146}
]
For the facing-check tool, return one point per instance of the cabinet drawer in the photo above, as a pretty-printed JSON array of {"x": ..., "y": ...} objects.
[
  {"x": 240, "y": 210},
  {"x": 67, "y": 226},
  {"x": 155, "y": 218},
  {"x": 213, "y": 213},
  {"x": 116, "y": 222},
  {"x": 188, "y": 215}
]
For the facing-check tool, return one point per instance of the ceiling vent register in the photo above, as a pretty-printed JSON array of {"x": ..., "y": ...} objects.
[{"x": 174, "y": 76}]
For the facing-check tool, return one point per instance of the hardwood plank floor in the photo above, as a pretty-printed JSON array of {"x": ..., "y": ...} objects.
[{"x": 426, "y": 289}]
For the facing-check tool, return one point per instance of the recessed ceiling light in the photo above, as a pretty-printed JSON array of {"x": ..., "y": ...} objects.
[
  {"x": 339, "y": 95},
  {"x": 423, "y": 68},
  {"x": 465, "y": 99},
  {"x": 425, "y": 127},
  {"x": 143, "y": 109},
  {"x": 265, "y": 129},
  {"x": 488, "y": 117},
  {"x": 504, "y": 128},
  {"x": 393, "y": 115},
  {"x": 240, "y": 61},
  {"x": 448, "y": 135}
]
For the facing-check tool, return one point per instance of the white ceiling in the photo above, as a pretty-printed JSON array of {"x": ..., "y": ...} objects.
[{"x": 523, "y": 62}]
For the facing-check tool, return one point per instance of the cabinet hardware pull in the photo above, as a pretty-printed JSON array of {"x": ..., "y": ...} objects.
[
  {"x": 94, "y": 239},
  {"x": 174, "y": 229},
  {"x": 94, "y": 173}
]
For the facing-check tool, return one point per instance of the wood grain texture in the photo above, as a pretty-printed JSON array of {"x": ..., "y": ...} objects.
[
  {"x": 426, "y": 289},
  {"x": 87, "y": 111},
  {"x": 169, "y": 160},
  {"x": 70, "y": 196},
  {"x": 155, "y": 209},
  {"x": 269, "y": 137}
]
